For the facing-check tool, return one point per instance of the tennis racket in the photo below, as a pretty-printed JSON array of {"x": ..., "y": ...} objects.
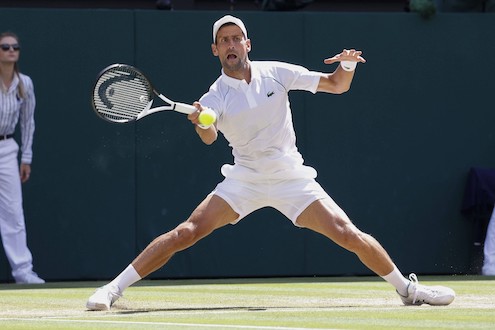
[{"x": 123, "y": 94}]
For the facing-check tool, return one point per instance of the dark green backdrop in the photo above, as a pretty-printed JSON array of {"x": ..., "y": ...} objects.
[{"x": 394, "y": 152}]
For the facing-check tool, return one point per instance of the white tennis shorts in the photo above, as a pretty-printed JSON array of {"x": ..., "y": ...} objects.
[{"x": 290, "y": 197}]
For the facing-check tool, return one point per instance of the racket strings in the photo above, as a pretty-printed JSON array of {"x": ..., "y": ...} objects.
[{"x": 121, "y": 95}]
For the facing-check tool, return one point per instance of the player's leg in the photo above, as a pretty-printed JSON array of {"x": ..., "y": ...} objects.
[
  {"x": 211, "y": 214},
  {"x": 327, "y": 218}
]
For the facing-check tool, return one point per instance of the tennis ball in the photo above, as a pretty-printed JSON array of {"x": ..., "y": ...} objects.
[{"x": 207, "y": 117}]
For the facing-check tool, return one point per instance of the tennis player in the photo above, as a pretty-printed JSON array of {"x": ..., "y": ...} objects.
[{"x": 251, "y": 101}]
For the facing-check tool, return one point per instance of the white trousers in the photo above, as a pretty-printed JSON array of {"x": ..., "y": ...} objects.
[
  {"x": 489, "y": 249},
  {"x": 12, "y": 226}
]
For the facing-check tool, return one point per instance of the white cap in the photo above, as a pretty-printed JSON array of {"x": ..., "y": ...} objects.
[{"x": 228, "y": 19}]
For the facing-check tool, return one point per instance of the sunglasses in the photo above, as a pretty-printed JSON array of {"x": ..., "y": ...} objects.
[{"x": 7, "y": 47}]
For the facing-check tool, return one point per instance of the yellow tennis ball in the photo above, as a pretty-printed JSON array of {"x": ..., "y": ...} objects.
[{"x": 207, "y": 117}]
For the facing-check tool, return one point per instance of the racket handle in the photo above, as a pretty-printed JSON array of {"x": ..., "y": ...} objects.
[{"x": 184, "y": 108}]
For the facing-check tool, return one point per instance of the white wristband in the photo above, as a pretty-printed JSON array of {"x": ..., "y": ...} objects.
[{"x": 348, "y": 65}]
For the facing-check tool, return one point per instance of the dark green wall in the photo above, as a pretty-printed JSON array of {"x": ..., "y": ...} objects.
[{"x": 394, "y": 152}]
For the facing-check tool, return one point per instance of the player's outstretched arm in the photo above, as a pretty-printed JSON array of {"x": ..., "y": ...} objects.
[{"x": 340, "y": 80}]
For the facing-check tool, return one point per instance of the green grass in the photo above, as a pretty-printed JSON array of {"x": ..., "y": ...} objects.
[{"x": 275, "y": 304}]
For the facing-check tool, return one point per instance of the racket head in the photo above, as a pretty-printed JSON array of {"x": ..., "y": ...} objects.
[{"x": 121, "y": 93}]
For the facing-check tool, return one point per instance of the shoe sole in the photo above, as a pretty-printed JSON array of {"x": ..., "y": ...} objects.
[
  {"x": 444, "y": 302},
  {"x": 97, "y": 307}
]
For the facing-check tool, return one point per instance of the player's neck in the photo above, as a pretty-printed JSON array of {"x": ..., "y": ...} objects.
[
  {"x": 6, "y": 74},
  {"x": 242, "y": 74}
]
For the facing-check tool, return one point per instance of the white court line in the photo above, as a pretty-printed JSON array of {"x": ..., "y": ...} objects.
[{"x": 196, "y": 325}]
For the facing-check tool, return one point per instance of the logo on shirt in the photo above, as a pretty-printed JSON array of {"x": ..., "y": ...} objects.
[{"x": 270, "y": 94}]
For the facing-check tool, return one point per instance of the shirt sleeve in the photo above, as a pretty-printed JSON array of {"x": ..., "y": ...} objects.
[
  {"x": 26, "y": 119},
  {"x": 212, "y": 99},
  {"x": 296, "y": 77}
]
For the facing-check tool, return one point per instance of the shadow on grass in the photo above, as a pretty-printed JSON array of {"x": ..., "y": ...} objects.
[
  {"x": 215, "y": 309},
  {"x": 189, "y": 309}
]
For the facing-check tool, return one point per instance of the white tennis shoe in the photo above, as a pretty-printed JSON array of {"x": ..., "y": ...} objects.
[
  {"x": 421, "y": 294},
  {"x": 103, "y": 298},
  {"x": 29, "y": 278}
]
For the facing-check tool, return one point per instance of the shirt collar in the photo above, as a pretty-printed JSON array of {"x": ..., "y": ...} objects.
[
  {"x": 13, "y": 85},
  {"x": 236, "y": 83}
]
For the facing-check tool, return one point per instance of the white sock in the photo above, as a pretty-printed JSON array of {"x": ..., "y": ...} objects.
[
  {"x": 125, "y": 279},
  {"x": 398, "y": 281}
]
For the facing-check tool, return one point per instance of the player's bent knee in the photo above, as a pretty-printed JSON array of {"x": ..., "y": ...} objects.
[
  {"x": 354, "y": 241},
  {"x": 189, "y": 233}
]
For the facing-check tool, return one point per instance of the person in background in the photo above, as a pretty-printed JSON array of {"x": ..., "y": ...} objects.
[
  {"x": 489, "y": 248},
  {"x": 17, "y": 103}
]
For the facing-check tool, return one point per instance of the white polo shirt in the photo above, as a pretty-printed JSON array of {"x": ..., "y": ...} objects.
[{"x": 256, "y": 120}]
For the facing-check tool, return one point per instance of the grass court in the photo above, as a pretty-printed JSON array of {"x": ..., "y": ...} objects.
[{"x": 261, "y": 303}]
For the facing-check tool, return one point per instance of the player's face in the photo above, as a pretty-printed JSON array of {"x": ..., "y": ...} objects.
[
  {"x": 9, "y": 55},
  {"x": 231, "y": 48}
]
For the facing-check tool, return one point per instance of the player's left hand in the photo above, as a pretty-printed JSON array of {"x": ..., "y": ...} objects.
[
  {"x": 25, "y": 172},
  {"x": 346, "y": 55}
]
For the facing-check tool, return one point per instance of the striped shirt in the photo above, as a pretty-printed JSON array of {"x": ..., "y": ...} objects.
[{"x": 14, "y": 109}]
